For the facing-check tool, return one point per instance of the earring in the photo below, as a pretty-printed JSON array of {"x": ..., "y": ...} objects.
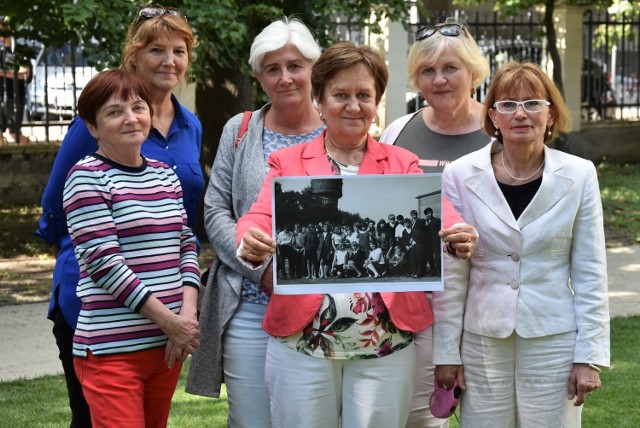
[
  {"x": 322, "y": 117},
  {"x": 497, "y": 132},
  {"x": 549, "y": 131}
]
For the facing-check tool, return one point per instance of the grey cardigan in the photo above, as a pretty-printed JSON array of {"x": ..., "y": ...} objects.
[{"x": 236, "y": 179}]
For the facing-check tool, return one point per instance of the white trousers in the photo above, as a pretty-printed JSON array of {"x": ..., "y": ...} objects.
[
  {"x": 420, "y": 416},
  {"x": 518, "y": 382},
  {"x": 314, "y": 392},
  {"x": 244, "y": 349}
]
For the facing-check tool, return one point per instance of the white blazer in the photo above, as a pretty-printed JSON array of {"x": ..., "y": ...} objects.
[{"x": 543, "y": 274}]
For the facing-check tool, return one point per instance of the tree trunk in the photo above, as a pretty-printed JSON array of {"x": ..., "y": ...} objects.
[
  {"x": 222, "y": 97},
  {"x": 552, "y": 46}
]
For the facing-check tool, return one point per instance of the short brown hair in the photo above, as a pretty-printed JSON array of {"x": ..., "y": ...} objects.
[
  {"x": 105, "y": 85},
  {"x": 343, "y": 55},
  {"x": 514, "y": 77},
  {"x": 143, "y": 32}
]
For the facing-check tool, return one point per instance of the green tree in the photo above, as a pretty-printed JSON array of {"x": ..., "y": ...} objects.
[
  {"x": 225, "y": 30},
  {"x": 513, "y": 7}
]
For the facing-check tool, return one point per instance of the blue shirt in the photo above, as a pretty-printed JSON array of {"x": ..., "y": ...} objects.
[{"x": 180, "y": 150}]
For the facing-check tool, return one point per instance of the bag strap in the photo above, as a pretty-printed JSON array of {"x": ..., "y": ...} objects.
[{"x": 243, "y": 126}]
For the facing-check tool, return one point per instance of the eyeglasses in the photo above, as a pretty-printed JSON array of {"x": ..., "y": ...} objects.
[
  {"x": 451, "y": 30},
  {"x": 530, "y": 106},
  {"x": 156, "y": 12}
]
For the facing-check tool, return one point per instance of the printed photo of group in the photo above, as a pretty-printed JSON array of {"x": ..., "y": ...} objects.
[{"x": 357, "y": 234}]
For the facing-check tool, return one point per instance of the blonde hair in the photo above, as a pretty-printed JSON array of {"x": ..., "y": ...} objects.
[
  {"x": 145, "y": 31},
  {"x": 428, "y": 50}
]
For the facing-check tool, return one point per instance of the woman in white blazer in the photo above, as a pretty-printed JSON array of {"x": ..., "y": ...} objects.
[{"x": 523, "y": 326}]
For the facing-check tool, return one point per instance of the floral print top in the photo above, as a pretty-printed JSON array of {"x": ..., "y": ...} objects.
[{"x": 350, "y": 326}]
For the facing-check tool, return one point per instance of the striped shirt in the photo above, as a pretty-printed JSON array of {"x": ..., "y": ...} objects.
[{"x": 131, "y": 239}]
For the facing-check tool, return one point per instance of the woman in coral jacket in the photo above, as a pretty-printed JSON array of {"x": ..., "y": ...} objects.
[{"x": 351, "y": 355}]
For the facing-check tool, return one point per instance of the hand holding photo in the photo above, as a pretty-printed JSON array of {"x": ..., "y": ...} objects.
[{"x": 346, "y": 234}]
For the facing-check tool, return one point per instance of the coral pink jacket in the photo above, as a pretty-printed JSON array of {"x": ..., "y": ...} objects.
[{"x": 289, "y": 314}]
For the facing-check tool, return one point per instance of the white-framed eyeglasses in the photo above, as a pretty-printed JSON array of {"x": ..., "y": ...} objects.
[{"x": 530, "y": 106}]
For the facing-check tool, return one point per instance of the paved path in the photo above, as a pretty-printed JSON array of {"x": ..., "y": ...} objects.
[{"x": 29, "y": 349}]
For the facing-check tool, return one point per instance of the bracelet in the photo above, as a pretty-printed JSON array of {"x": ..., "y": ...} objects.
[{"x": 596, "y": 368}]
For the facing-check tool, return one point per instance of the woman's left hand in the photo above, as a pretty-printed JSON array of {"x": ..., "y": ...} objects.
[
  {"x": 257, "y": 246},
  {"x": 583, "y": 381},
  {"x": 460, "y": 240},
  {"x": 174, "y": 353}
]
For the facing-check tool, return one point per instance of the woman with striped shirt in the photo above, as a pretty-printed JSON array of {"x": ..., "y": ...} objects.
[{"x": 139, "y": 271}]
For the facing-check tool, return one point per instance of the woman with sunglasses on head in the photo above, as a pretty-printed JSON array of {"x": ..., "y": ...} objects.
[
  {"x": 236, "y": 297},
  {"x": 523, "y": 325},
  {"x": 446, "y": 65},
  {"x": 157, "y": 49}
]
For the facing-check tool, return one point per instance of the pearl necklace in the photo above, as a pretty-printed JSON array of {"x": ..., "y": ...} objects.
[{"x": 519, "y": 178}]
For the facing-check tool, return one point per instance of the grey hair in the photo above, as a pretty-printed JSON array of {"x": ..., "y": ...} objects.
[{"x": 279, "y": 33}]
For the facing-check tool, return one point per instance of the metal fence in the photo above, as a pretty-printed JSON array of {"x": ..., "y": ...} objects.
[
  {"x": 611, "y": 66},
  {"x": 49, "y": 101},
  {"x": 516, "y": 37},
  {"x": 609, "y": 80}
]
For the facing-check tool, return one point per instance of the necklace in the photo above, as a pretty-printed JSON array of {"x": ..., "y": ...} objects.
[
  {"x": 519, "y": 178},
  {"x": 331, "y": 158}
]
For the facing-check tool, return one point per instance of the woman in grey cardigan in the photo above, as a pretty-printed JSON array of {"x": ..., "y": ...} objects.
[{"x": 233, "y": 344}]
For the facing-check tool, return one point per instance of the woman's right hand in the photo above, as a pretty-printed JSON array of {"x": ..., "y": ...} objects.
[
  {"x": 257, "y": 246},
  {"x": 447, "y": 374}
]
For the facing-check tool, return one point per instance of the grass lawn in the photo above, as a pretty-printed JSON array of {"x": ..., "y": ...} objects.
[{"x": 42, "y": 402}]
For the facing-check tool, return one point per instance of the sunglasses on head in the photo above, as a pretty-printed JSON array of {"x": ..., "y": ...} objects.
[
  {"x": 451, "y": 30},
  {"x": 156, "y": 12}
]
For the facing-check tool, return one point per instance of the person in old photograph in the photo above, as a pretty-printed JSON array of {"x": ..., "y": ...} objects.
[
  {"x": 299, "y": 233},
  {"x": 311, "y": 244},
  {"x": 285, "y": 253},
  {"x": 421, "y": 243},
  {"x": 355, "y": 260},
  {"x": 325, "y": 251},
  {"x": 337, "y": 236},
  {"x": 340, "y": 260},
  {"x": 434, "y": 256},
  {"x": 385, "y": 243},
  {"x": 398, "y": 263},
  {"x": 375, "y": 262}
]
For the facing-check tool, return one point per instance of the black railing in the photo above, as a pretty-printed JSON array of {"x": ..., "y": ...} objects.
[
  {"x": 611, "y": 66},
  {"x": 57, "y": 76},
  {"x": 517, "y": 37},
  {"x": 609, "y": 81}
]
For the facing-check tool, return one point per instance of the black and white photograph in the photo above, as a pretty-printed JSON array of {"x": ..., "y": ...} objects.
[{"x": 350, "y": 234}]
